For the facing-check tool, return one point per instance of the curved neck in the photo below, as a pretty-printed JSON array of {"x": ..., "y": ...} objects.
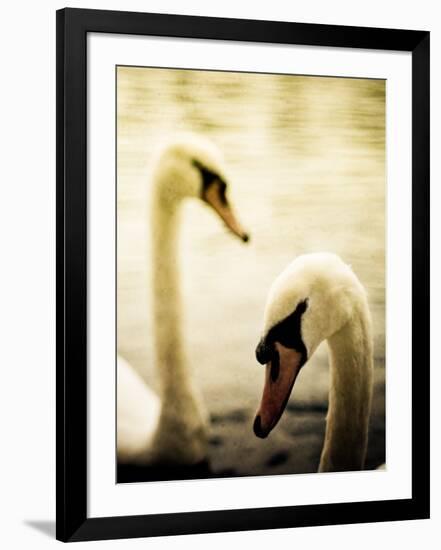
[
  {"x": 351, "y": 362},
  {"x": 169, "y": 349}
]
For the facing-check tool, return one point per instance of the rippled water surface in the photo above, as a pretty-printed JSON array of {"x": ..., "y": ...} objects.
[{"x": 306, "y": 164}]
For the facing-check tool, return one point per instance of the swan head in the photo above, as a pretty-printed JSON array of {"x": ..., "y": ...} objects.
[
  {"x": 193, "y": 167},
  {"x": 312, "y": 299}
]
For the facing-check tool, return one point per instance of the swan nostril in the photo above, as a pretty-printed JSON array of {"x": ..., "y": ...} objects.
[{"x": 257, "y": 428}]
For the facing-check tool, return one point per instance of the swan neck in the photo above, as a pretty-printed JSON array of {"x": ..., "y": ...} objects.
[
  {"x": 180, "y": 434},
  {"x": 351, "y": 365},
  {"x": 167, "y": 308}
]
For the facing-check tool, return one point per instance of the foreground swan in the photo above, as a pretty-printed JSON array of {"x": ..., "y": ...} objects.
[
  {"x": 171, "y": 427},
  {"x": 318, "y": 298}
]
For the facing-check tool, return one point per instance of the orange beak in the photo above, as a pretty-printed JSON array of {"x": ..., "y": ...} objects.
[
  {"x": 215, "y": 197},
  {"x": 280, "y": 374}
]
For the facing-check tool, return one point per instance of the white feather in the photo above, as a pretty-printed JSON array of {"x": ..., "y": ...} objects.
[
  {"x": 338, "y": 312},
  {"x": 172, "y": 426}
]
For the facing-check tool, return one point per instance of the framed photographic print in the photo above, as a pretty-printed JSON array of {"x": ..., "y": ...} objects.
[{"x": 242, "y": 274}]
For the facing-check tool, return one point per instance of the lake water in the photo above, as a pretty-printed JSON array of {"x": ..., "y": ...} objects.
[{"x": 306, "y": 165}]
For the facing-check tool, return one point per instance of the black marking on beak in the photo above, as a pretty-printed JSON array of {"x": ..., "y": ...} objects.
[
  {"x": 288, "y": 333},
  {"x": 222, "y": 186},
  {"x": 208, "y": 178},
  {"x": 257, "y": 428},
  {"x": 264, "y": 352},
  {"x": 275, "y": 366}
]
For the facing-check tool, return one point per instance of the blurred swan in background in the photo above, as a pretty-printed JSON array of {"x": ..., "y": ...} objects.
[
  {"x": 318, "y": 297},
  {"x": 171, "y": 427}
]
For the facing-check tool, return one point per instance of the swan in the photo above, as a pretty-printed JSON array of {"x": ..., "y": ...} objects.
[
  {"x": 171, "y": 427},
  {"x": 318, "y": 297}
]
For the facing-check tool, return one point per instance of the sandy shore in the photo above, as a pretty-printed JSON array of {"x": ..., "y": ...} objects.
[{"x": 293, "y": 447}]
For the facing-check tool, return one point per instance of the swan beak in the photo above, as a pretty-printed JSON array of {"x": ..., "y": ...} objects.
[
  {"x": 280, "y": 374},
  {"x": 215, "y": 197}
]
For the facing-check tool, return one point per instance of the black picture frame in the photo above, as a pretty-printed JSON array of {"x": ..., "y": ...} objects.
[{"x": 71, "y": 320}]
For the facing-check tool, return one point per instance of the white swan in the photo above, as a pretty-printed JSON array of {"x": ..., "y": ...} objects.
[
  {"x": 318, "y": 297},
  {"x": 171, "y": 427}
]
